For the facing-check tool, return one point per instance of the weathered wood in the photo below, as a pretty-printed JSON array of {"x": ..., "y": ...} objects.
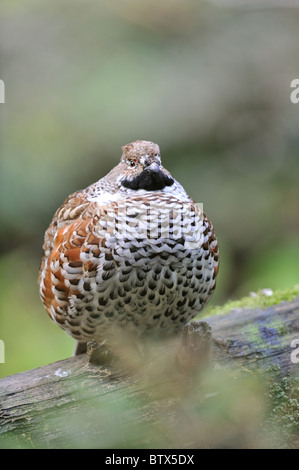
[
  {"x": 257, "y": 338},
  {"x": 74, "y": 404}
]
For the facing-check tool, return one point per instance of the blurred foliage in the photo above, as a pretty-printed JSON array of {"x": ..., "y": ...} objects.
[
  {"x": 220, "y": 408},
  {"x": 208, "y": 81}
]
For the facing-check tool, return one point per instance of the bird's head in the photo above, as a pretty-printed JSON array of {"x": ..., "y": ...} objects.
[{"x": 142, "y": 169}]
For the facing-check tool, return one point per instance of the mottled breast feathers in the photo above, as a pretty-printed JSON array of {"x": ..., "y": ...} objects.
[{"x": 131, "y": 250}]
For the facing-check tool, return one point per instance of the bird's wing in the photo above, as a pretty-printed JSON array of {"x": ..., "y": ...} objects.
[{"x": 71, "y": 232}]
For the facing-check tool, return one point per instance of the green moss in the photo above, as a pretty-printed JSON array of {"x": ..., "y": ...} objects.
[
  {"x": 253, "y": 334},
  {"x": 259, "y": 301}
]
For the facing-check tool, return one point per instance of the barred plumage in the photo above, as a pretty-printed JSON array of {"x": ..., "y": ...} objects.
[{"x": 131, "y": 251}]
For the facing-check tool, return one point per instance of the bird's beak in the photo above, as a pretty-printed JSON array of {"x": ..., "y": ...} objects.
[{"x": 154, "y": 167}]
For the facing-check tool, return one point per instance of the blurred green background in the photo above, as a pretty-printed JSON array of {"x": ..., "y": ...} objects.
[{"x": 209, "y": 81}]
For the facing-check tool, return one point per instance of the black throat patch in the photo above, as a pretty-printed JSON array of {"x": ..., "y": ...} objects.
[{"x": 148, "y": 180}]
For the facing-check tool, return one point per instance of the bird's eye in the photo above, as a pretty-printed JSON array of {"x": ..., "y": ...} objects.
[{"x": 132, "y": 163}]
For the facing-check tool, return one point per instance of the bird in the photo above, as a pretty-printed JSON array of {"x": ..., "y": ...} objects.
[{"x": 132, "y": 254}]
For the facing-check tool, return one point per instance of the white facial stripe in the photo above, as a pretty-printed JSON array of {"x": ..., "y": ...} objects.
[
  {"x": 104, "y": 198},
  {"x": 143, "y": 158}
]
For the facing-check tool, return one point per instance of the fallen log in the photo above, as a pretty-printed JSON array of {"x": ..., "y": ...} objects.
[{"x": 247, "y": 396}]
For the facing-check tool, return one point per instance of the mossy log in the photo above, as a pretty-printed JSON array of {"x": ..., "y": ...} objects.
[{"x": 72, "y": 403}]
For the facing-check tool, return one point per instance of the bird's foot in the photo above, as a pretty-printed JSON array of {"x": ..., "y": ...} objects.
[
  {"x": 98, "y": 353},
  {"x": 125, "y": 360},
  {"x": 194, "y": 350}
]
